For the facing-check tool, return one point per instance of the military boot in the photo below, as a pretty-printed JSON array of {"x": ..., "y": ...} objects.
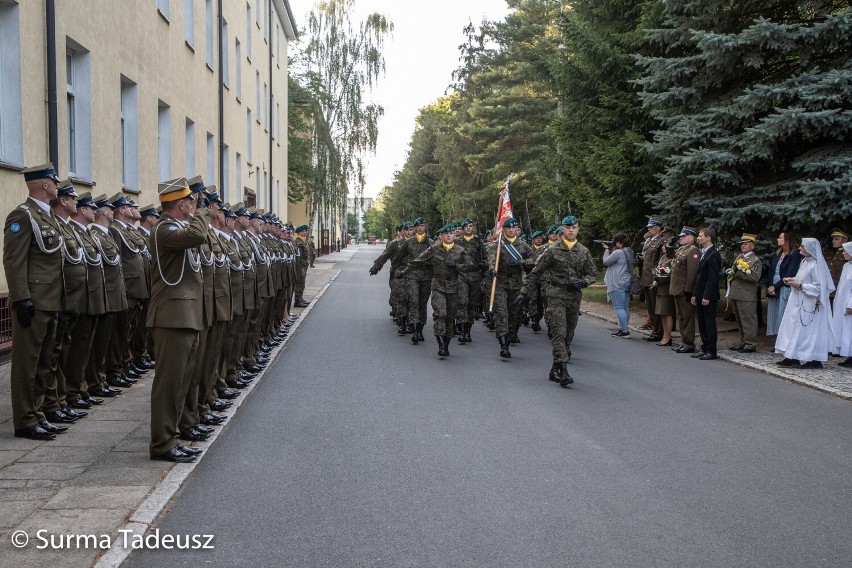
[
  {"x": 489, "y": 321},
  {"x": 467, "y": 328},
  {"x": 403, "y": 327},
  {"x": 457, "y": 330},
  {"x": 564, "y": 378},
  {"x": 420, "y": 326},
  {"x": 554, "y": 373},
  {"x": 504, "y": 347},
  {"x": 410, "y": 328},
  {"x": 535, "y": 326},
  {"x": 443, "y": 345},
  {"x": 460, "y": 331}
]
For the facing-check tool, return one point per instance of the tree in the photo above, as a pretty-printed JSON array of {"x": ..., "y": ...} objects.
[
  {"x": 338, "y": 67},
  {"x": 754, "y": 103},
  {"x": 375, "y": 223},
  {"x": 352, "y": 225}
]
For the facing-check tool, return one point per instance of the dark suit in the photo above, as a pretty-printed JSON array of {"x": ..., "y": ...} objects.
[{"x": 707, "y": 288}]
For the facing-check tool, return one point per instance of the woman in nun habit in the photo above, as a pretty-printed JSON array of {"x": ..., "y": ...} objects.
[
  {"x": 842, "y": 319},
  {"x": 806, "y": 335}
]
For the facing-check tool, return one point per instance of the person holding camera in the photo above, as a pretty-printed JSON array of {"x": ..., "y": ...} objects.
[{"x": 618, "y": 260}]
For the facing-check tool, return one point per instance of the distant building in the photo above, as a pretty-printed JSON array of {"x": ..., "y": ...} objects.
[{"x": 358, "y": 206}]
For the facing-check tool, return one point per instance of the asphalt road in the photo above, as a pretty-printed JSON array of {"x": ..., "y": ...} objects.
[{"x": 361, "y": 449}]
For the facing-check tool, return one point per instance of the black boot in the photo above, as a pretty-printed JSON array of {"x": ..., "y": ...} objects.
[
  {"x": 415, "y": 337},
  {"x": 554, "y": 373},
  {"x": 410, "y": 329},
  {"x": 443, "y": 345},
  {"x": 535, "y": 326},
  {"x": 467, "y": 328},
  {"x": 504, "y": 347},
  {"x": 489, "y": 320},
  {"x": 461, "y": 332},
  {"x": 564, "y": 378},
  {"x": 403, "y": 327}
]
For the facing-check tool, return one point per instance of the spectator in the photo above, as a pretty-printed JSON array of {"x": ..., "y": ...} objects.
[
  {"x": 806, "y": 335},
  {"x": 843, "y": 310},
  {"x": 783, "y": 264},
  {"x": 619, "y": 269},
  {"x": 705, "y": 297}
]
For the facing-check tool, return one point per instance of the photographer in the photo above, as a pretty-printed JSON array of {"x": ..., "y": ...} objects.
[{"x": 618, "y": 260}]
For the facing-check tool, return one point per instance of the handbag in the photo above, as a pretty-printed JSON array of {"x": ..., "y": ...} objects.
[{"x": 635, "y": 285}]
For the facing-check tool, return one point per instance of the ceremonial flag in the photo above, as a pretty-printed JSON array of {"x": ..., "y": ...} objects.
[{"x": 504, "y": 207}]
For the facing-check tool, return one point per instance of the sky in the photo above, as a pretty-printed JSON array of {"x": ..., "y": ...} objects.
[{"x": 420, "y": 58}]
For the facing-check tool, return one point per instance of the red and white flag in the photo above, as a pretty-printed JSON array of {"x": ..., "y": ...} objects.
[{"x": 504, "y": 207}]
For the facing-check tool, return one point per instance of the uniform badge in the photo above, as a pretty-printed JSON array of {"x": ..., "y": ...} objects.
[
  {"x": 15, "y": 227},
  {"x": 172, "y": 228}
]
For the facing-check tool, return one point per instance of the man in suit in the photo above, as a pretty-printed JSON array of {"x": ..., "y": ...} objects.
[
  {"x": 32, "y": 259},
  {"x": 705, "y": 296},
  {"x": 176, "y": 312},
  {"x": 743, "y": 277}
]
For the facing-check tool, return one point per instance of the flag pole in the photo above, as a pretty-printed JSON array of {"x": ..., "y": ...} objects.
[{"x": 499, "y": 249}]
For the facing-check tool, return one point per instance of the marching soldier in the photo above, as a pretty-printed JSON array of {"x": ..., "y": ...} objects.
[
  {"x": 99, "y": 381},
  {"x": 300, "y": 242},
  {"x": 470, "y": 291},
  {"x": 32, "y": 259},
  {"x": 82, "y": 340},
  {"x": 446, "y": 260},
  {"x": 390, "y": 254},
  {"x": 418, "y": 279},
  {"x": 571, "y": 269},
  {"x": 176, "y": 312},
  {"x": 535, "y": 307},
  {"x": 743, "y": 278},
  {"x": 684, "y": 270},
  {"x": 509, "y": 274}
]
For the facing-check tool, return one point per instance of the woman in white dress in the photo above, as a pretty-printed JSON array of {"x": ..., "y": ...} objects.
[
  {"x": 806, "y": 335},
  {"x": 842, "y": 318}
]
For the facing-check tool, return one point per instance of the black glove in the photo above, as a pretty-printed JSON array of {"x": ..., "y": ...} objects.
[
  {"x": 374, "y": 270},
  {"x": 580, "y": 284},
  {"x": 520, "y": 299},
  {"x": 401, "y": 272},
  {"x": 512, "y": 262},
  {"x": 451, "y": 263},
  {"x": 491, "y": 272},
  {"x": 25, "y": 311}
]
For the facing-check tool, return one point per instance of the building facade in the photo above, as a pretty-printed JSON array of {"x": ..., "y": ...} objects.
[{"x": 123, "y": 95}]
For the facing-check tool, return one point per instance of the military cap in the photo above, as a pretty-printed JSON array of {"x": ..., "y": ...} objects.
[
  {"x": 148, "y": 211},
  {"x": 466, "y": 221},
  {"x": 41, "y": 172},
  {"x": 536, "y": 234},
  {"x": 747, "y": 238},
  {"x": 66, "y": 189},
  {"x": 407, "y": 225},
  {"x": 118, "y": 200},
  {"x": 229, "y": 213},
  {"x": 668, "y": 229},
  {"x": 241, "y": 210},
  {"x": 654, "y": 223},
  {"x": 103, "y": 201},
  {"x": 839, "y": 233},
  {"x": 132, "y": 203},
  {"x": 196, "y": 184},
  {"x": 398, "y": 227},
  {"x": 214, "y": 198},
  {"x": 511, "y": 222},
  {"x": 488, "y": 232},
  {"x": 256, "y": 215},
  {"x": 570, "y": 220},
  {"x": 688, "y": 231},
  {"x": 418, "y": 221},
  {"x": 301, "y": 228},
  {"x": 173, "y": 190},
  {"x": 85, "y": 200},
  {"x": 448, "y": 228}
]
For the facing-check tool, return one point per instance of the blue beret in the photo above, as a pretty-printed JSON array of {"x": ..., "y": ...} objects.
[
  {"x": 511, "y": 222},
  {"x": 569, "y": 220}
]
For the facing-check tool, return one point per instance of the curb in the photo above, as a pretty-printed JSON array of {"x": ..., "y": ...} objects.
[
  {"x": 816, "y": 385},
  {"x": 140, "y": 520}
]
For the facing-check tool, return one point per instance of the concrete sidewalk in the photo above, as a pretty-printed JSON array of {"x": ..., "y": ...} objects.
[
  {"x": 97, "y": 478},
  {"x": 831, "y": 379}
]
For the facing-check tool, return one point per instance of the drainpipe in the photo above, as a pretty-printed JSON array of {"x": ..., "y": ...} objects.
[
  {"x": 271, "y": 110},
  {"x": 52, "y": 104},
  {"x": 221, "y": 104}
]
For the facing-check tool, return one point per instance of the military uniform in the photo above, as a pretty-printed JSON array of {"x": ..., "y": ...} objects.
[
  {"x": 300, "y": 243},
  {"x": 535, "y": 305},
  {"x": 742, "y": 295},
  {"x": 684, "y": 269},
  {"x": 175, "y": 316},
  {"x": 418, "y": 280},
  {"x": 510, "y": 279},
  {"x": 651, "y": 252},
  {"x": 446, "y": 261},
  {"x": 836, "y": 261},
  {"x": 571, "y": 269},
  {"x": 32, "y": 260},
  {"x": 470, "y": 290}
]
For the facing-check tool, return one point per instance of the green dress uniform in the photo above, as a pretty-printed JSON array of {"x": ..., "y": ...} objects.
[
  {"x": 571, "y": 269},
  {"x": 684, "y": 269},
  {"x": 32, "y": 259},
  {"x": 230, "y": 353},
  {"x": 446, "y": 263},
  {"x": 652, "y": 249},
  {"x": 302, "y": 262},
  {"x": 742, "y": 295},
  {"x": 175, "y": 316}
]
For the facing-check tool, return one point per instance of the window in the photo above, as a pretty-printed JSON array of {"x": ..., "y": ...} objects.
[
  {"x": 278, "y": 43},
  {"x": 265, "y": 186},
  {"x": 190, "y": 150},
  {"x": 265, "y": 108},
  {"x": 265, "y": 19},
  {"x": 225, "y": 173},
  {"x": 257, "y": 181},
  {"x": 189, "y": 22},
  {"x": 224, "y": 54},
  {"x": 129, "y": 135},
  {"x": 79, "y": 107},
  {"x": 164, "y": 141},
  {"x": 272, "y": 110},
  {"x": 257, "y": 12},
  {"x": 163, "y": 8},
  {"x": 208, "y": 32},
  {"x": 257, "y": 91},
  {"x": 277, "y": 120},
  {"x": 238, "y": 69},
  {"x": 211, "y": 157},
  {"x": 248, "y": 135},
  {"x": 238, "y": 182},
  {"x": 248, "y": 31},
  {"x": 11, "y": 119}
]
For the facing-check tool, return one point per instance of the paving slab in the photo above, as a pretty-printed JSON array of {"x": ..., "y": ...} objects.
[
  {"x": 125, "y": 497},
  {"x": 52, "y": 453},
  {"x": 9, "y": 456},
  {"x": 51, "y": 471}
]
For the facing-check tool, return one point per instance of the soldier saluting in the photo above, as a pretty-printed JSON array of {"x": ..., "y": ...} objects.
[{"x": 32, "y": 259}]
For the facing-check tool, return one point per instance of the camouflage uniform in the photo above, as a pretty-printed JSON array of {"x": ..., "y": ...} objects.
[
  {"x": 566, "y": 266},
  {"x": 393, "y": 281},
  {"x": 470, "y": 291},
  {"x": 446, "y": 267},
  {"x": 535, "y": 307},
  {"x": 510, "y": 275},
  {"x": 417, "y": 280}
]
